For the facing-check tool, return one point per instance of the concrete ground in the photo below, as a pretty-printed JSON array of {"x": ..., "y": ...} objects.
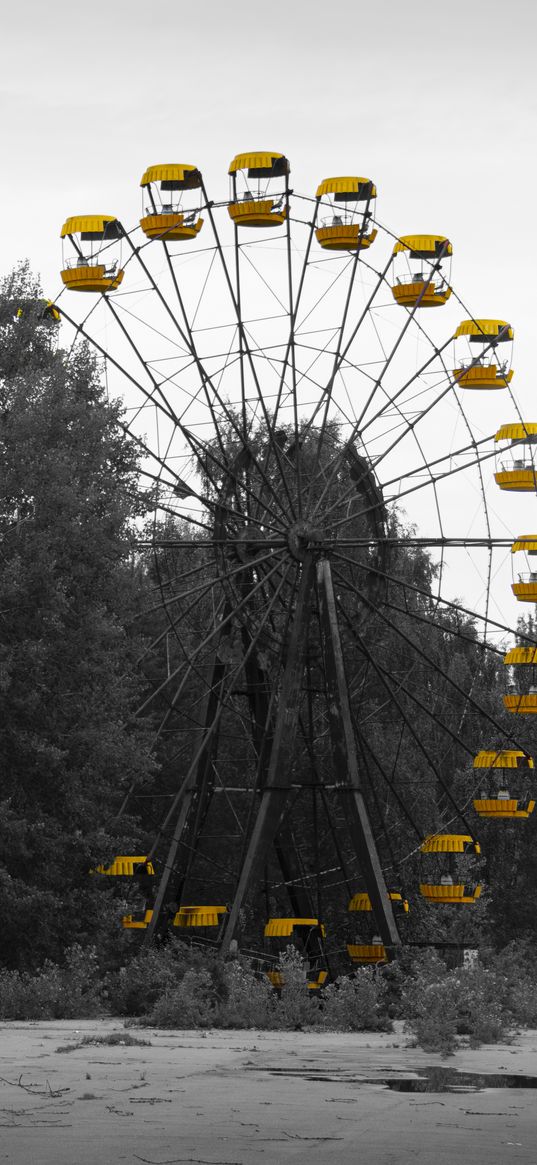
[{"x": 242, "y": 1098}]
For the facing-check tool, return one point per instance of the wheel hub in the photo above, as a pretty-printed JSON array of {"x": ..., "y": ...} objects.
[{"x": 304, "y": 537}]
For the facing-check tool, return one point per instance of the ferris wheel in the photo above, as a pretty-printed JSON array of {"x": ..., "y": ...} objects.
[{"x": 308, "y": 427}]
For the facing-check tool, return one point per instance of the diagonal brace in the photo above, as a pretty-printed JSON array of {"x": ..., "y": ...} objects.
[
  {"x": 347, "y": 775},
  {"x": 277, "y": 784}
]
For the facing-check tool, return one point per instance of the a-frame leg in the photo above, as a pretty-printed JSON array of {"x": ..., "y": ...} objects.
[
  {"x": 278, "y": 777},
  {"x": 347, "y": 775}
]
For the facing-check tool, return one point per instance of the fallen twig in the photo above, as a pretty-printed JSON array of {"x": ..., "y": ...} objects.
[
  {"x": 183, "y": 1160},
  {"x": 32, "y": 1089},
  {"x": 478, "y": 1112},
  {"x": 298, "y": 1137}
]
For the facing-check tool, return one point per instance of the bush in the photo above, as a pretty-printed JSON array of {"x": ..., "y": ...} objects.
[
  {"x": 296, "y": 1006},
  {"x": 179, "y": 986},
  {"x": 522, "y": 1001},
  {"x": 192, "y": 1003},
  {"x": 429, "y": 1007},
  {"x": 136, "y": 987},
  {"x": 250, "y": 1001},
  {"x": 517, "y": 964},
  {"x": 111, "y": 1040},
  {"x": 68, "y": 992},
  {"x": 438, "y": 1005},
  {"x": 216, "y": 994},
  {"x": 481, "y": 996},
  {"x": 356, "y": 1003}
]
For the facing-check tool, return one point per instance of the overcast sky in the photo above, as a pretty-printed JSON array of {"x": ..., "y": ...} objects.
[{"x": 435, "y": 102}]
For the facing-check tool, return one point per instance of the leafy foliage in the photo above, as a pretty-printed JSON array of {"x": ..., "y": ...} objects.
[
  {"x": 473, "y": 1001},
  {"x": 356, "y": 1003},
  {"x": 134, "y": 988},
  {"x": 191, "y": 1004},
  {"x": 69, "y": 992},
  {"x": 68, "y": 592}
]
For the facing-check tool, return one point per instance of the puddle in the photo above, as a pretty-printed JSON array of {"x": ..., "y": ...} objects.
[
  {"x": 450, "y": 1080},
  {"x": 430, "y": 1079}
]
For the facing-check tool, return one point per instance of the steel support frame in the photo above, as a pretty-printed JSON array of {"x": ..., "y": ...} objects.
[
  {"x": 345, "y": 757},
  {"x": 277, "y": 786}
]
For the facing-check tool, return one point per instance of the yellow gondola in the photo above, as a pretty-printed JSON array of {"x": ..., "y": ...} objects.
[
  {"x": 277, "y": 980},
  {"x": 135, "y": 867},
  {"x": 367, "y": 953},
  {"x": 450, "y": 843},
  {"x": 516, "y": 464},
  {"x": 480, "y": 362},
  {"x": 96, "y": 263},
  {"x": 48, "y": 312},
  {"x": 259, "y": 189},
  {"x": 448, "y": 889},
  {"x": 502, "y": 806},
  {"x": 315, "y": 984},
  {"x": 170, "y": 216},
  {"x": 348, "y": 226},
  {"x": 370, "y": 949},
  {"x": 508, "y": 758},
  {"x": 362, "y": 902},
  {"x": 525, "y": 588},
  {"x": 521, "y": 655},
  {"x": 125, "y": 867},
  {"x": 522, "y": 703},
  {"x": 138, "y": 921},
  {"x": 421, "y": 270},
  {"x": 285, "y": 927},
  {"x": 450, "y": 893},
  {"x": 192, "y": 916}
]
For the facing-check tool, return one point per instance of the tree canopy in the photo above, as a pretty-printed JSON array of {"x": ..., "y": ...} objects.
[{"x": 68, "y": 592}]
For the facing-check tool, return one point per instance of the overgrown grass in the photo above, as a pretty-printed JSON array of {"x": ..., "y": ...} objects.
[
  {"x": 111, "y": 1040},
  {"x": 179, "y": 987},
  {"x": 73, "y": 991},
  {"x": 440, "y": 1005}
]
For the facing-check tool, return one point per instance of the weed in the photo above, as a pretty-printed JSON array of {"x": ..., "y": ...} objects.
[
  {"x": 68, "y": 992},
  {"x": 111, "y": 1040},
  {"x": 250, "y": 1001},
  {"x": 438, "y": 1005},
  {"x": 356, "y": 1003},
  {"x": 191, "y": 1003}
]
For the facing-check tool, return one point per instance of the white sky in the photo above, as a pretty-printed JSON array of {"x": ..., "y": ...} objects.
[{"x": 436, "y": 103}]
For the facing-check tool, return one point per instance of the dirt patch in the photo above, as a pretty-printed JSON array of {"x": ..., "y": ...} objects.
[{"x": 234, "y": 1098}]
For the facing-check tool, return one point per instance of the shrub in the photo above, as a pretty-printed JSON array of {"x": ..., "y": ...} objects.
[
  {"x": 438, "y": 1004},
  {"x": 211, "y": 993},
  {"x": 517, "y": 964},
  {"x": 250, "y": 1000},
  {"x": 481, "y": 999},
  {"x": 192, "y": 1003},
  {"x": 356, "y": 1003},
  {"x": 430, "y": 1013},
  {"x": 110, "y": 1040},
  {"x": 136, "y": 987},
  {"x": 296, "y": 1006},
  {"x": 68, "y": 992}
]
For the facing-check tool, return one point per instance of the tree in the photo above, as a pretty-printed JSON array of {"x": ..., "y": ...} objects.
[{"x": 69, "y": 589}]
